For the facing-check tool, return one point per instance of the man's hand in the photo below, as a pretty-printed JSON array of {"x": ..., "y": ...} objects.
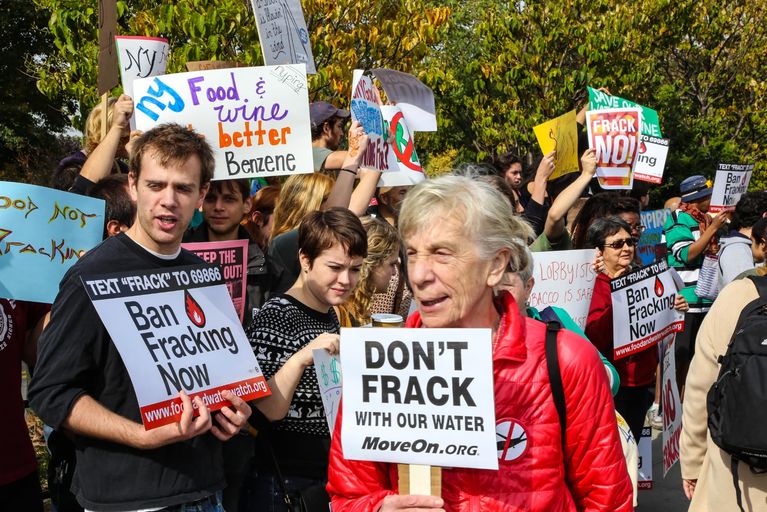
[
  {"x": 358, "y": 143},
  {"x": 122, "y": 111},
  {"x": 187, "y": 426},
  {"x": 547, "y": 166},
  {"x": 589, "y": 163},
  {"x": 689, "y": 487},
  {"x": 411, "y": 503},
  {"x": 231, "y": 419},
  {"x": 134, "y": 135}
]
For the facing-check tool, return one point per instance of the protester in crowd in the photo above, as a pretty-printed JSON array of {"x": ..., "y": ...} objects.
[
  {"x": 611, "y": 236},
  {"x": 20, "y": 326},
  {"x": 510, "y": 169},
  {"x": 389, "y": 201},
  {"x": 81, "y": 383},
  {"x": 378, "y": 269},
  {"x": 459, "y": 234},
  {"x": 332, "y": 245},
  {"x": 120, "y": 210},
  {"x": 327, "y": 134},
  {"x": 595, "y": 207},
  {"x": 641, "y": 192},
  {"x": 758, "y": 249},
  {"x": 707, "y": 477},
  {"x": 735, "y": 255},
  {"x": 690, "y": 233},
  {"x": 260, "y": 219},
  {"x": 672, "y": 203}
]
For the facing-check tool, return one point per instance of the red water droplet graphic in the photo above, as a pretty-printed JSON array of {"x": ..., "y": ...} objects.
[
  {"x": 658, "y": 287},
  {"x": 193, "y": 310},
  {"x": 642, "y": 148}
]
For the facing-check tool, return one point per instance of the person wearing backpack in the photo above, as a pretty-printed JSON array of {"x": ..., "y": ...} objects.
[{"x": 710, "y": 479}]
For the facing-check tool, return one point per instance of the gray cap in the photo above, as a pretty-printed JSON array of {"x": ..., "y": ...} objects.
[{"x": 321, "y": 111}]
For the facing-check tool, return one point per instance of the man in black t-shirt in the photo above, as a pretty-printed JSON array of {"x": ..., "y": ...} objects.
[{"x": 81, "y": 383}]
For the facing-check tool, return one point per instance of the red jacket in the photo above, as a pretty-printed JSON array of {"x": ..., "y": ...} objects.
[
  {"x": 532, "y": 478},
  {"x": 635, "y": 370}
]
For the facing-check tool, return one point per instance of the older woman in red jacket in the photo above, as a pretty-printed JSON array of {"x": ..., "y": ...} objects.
[{"x": 460, "y": 236}]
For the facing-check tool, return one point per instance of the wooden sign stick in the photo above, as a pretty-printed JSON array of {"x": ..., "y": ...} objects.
[
  {"x": 104, "y": 114},
  {"x": 420, "y": 479}
]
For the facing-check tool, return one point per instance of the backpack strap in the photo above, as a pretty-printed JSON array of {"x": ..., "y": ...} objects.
[
  {"x": 734, "y": 471},
  {"x": 555, "y": 376},
  {"x": 760, "y": 282}
]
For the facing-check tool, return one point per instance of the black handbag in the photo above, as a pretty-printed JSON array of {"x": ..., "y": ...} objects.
[{"x": 313, "y": 498}]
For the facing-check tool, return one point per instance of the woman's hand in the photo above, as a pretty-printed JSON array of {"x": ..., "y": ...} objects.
[
  {"x": 599, "y": 263},
  {"x": 325, "y": 340},
  {"x": 680, "y": 304},
  {"x": 589, "y": 163},
  {"x": 689, "y": 487}
]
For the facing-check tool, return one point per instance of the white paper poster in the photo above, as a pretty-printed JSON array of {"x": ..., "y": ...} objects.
[
  {"x": 731, "y": 182},
  {"x": 644, "y": 482},
  {"x": 140, "y": 57},
  {"x": 256, "y": 119},
  {"x": 176, "y": 329},
  {"x": 328, "y": 371},
  {"x": 413, "y": 97},
  {"x": 671, "y": 405},
  {"x": 564, "y": 279},
  {"x": 643, "y": 309},
  {"x": 282, "y": 33},
  {"x": 419, "y": 396},
  {"x": 409, "y": 170},
  {"x": 365, "y": 106},
  {"x": 651, "y": 160}
]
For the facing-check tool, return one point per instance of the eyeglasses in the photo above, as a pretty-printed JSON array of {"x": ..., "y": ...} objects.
[
  {"x": 638, "y": 228},
  {"x": 618, "y": 244}
]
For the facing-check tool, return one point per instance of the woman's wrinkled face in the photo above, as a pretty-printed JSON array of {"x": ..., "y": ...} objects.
[
  {"x": 452, "y": 284},
  {"x": 620, "y": 256}
]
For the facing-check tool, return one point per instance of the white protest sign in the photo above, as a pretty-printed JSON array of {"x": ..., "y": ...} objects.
[
  {"x": 643, "y": 309},
  {"x": 413, "y": 97},
  {"x": 409, "y": 170},
  {"x": 644, "y": 482},
  {"x": 176, "y": 329},
  {"x": 672, "y": 406},
  {"x": 328, "y": 371},
  {"x": 419, "y": 396},
  {"x": 651, "y": 160},
  {"x": 366, "y": 108},
  {"x": 564, "y": 279},
  {"x": 731, "y": 182},
  {"x": 140, "y": 57},
  {"x": 256, "y": 119},
  {"x": 282, "y": 33}
]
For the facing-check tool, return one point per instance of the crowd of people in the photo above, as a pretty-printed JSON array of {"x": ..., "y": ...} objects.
[{"x": 329, "y": 249}]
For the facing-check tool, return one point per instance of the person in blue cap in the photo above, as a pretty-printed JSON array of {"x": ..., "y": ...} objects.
[{"x": 690, "y": 233}]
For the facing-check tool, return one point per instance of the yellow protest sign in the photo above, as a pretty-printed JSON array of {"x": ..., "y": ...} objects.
[{"x": 560, "y": 134}]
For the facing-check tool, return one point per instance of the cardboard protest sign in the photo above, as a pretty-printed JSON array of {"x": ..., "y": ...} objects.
[
  {"x": 564, "y": 279},
  {"x": 614, "y": 135},
  {"x": 731, "y": 182},
  {"x": 328, "y": 370},
  {"x": 176, "y": 329},
  {"x": 419, "y": 396},
  {"x": 650, "y": 124},
  {"x": 256, "y": 119},
  {"x": 42, "y": 233},
  {"x": 643, "y": 308},
  {"x": 651, "y": 160},
  {"x": 366, "y": 108},
  {"x": 282, "y": 33},
  {"x": 651, "y": 246},
  {"x": 560, "y": 134},
  {"x": 644, "y": 482},
  {"x": 409, "y": 170},
  {"x": 140, "y": 57},
  {"x": 107, "y": 77},
  {"x": 672, "y": 405},
  {"x": 232, "y": 257},
  {"x": 415, "y": 100}
]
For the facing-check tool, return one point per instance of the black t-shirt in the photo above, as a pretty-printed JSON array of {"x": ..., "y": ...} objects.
[
  {"x": 283, "y": 251},
  {"x": 76, "y": 357}
]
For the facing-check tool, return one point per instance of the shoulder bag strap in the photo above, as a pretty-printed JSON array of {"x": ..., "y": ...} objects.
[{"x": 555, "y": 376}]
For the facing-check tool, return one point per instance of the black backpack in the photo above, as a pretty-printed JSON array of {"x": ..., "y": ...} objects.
[{"x": 737, "y": 401}]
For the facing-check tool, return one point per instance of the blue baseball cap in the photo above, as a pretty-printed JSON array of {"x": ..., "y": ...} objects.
[{"x": 694, "y": 188}]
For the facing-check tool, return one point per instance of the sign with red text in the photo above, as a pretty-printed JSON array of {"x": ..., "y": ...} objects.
[
  {"x": 564, "y": 279},
  {"x": 43, "y": 232},
  {"x": 409, "y": 170},
  {"x": 282, "y": 33},
  {"x": 256, "y": 119},
  {"x": 366, "y": 108},
  {"x": 140, "y": 57},
  {"x": 614, "y": 135},
  {"x": 731, "y": 182},
  {"x": 671, "y": 405},
  {"x": 420, "y": 396},
  {"x": 651, "y": 160},
  {"x": 643, "y": 309},
  {"x": 232, "y": 257},
  {"x": 176, "y": 329}
]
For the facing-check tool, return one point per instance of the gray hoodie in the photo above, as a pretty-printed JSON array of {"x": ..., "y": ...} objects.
[{"x": 734, "y": 257}]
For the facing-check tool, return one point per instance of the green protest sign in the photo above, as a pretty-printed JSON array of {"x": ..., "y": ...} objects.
[{"x": 599, "y": 100}]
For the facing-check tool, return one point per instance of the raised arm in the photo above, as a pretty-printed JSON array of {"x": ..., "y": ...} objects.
[
  {"x": 555, "y": 220},
  {"x": 341, "y": 193},
  {"x": 100, "y": 162}
]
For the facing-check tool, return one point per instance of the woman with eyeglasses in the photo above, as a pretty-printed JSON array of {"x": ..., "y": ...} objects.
[{"x": 611, "y": 236}]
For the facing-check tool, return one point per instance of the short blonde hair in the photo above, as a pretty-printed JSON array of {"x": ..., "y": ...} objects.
[
  {"x": 93, "y": 125},
  {"x": 490, "y": 224},
  {"x": 299, "y": 195}
]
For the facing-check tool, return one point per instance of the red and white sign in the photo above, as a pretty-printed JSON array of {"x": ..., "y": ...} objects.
[
  {"x": 232, "y": 256},
  {"x": 731, "y": 182},
  {"x": 614, "y": 134},
  {"x": 176, "y": 329},
  {"x": 365, "y": 107},
  {"x": 651, "y": 160},
  {"x": 671, "y": 405},
  {"x": 409, "y": 170}
]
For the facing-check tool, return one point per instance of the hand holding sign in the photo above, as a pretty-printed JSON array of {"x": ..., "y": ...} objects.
[
  {"x": 230, "y": 419},
  {"x": 187, "y": 427},
  {"x": 122, "y": 112},
  {"x": 326, "y": 341},
  {"x": 411, "y": 502}
]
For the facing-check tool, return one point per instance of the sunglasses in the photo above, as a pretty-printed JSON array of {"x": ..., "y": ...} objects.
[{"x": 618, "y": 244}]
